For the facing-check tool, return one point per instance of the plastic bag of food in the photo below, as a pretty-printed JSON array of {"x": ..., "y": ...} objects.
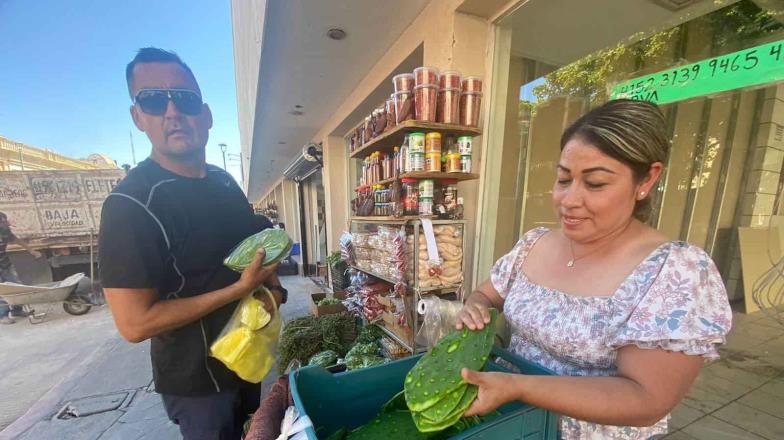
[
  {"x": 275, "y": 242},
  {"x": 248, "y": 342},
  {"x": 439, "y": 318}
]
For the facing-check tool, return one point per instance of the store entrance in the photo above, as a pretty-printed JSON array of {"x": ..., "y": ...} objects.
[
  {"x": 314, "y": 225},
  {"x": 725, "y": 164}
]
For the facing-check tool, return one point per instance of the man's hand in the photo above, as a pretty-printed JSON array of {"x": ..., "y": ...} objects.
[
  {"x": 36, "y": 254},
  {"x": 256, "y": 274}
]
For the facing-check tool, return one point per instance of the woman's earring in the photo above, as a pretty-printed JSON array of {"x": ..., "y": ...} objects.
[{"x": 642, "y": 194}]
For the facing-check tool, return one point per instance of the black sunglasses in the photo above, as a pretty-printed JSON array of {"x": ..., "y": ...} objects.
[{"x": 154, "y": 101}]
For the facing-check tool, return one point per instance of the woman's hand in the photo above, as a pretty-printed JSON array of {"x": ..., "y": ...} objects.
[
  {"x": 495, "y": 389},
  {"x": 473, "y": 315}
]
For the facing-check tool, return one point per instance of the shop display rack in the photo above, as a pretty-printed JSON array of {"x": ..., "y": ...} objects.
[
  {"x": 386, "y": 141},
  {"x": 414, "y": 225}
]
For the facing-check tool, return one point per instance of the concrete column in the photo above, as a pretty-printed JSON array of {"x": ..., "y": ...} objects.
[{"x": 337, "y": 189}]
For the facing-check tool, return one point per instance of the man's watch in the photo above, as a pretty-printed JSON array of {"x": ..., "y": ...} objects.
[{"x": 284, "y": 294}]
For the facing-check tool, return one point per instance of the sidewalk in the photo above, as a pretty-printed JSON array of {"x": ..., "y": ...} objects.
[
  {"x": 113, "y": 389},
  {"x": 742, "y": 395},
  {"x": 739, "y": 397}
]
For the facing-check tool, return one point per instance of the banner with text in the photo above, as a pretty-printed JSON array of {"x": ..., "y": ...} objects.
[{"x": 749, "y": 67}]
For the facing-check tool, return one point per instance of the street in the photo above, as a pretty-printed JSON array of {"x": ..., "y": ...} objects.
[
  {"x": 38, "y": 357},
  {"x": 34, "y": 358}
]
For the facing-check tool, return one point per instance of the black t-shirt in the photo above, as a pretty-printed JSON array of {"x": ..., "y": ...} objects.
[
  {"x": 165, "y": 231},
  {"x": 6, "y": 236}
]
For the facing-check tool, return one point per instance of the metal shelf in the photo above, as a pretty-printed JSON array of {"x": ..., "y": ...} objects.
[
  {"x": 388, "y": 280},
  {"x": 405, "y": 219},
  {"x": 387, "y": 219},
  {"x": 444, "y": 289},
  {"x": 417, "y": 292},
  {"x": 434, "y": 175},
  {"x": 397, "y": 339}
]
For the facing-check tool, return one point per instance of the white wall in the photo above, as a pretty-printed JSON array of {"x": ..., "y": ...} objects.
[{"x": 247, "y": 55}]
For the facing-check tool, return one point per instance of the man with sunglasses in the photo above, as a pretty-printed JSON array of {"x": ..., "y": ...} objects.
[{"x": 165, "y": 231}]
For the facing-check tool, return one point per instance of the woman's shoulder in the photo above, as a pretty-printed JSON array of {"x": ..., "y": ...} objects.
[
  {"x": 534, "y": 234},
  {"x": 687, "y": 270},
  {"x": 685, "y": 255}
]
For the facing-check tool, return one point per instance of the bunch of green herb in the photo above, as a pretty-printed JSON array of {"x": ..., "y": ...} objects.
[
  {"x": 370, "y": 333},
  {"x": 328, "y": 302}
]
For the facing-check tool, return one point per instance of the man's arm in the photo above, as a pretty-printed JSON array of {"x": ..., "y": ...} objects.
[
  {"x": 139, "y": 313},
  {"x": 26, "y": 246}
]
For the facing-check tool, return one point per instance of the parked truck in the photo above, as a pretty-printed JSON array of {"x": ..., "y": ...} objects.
[{"x": 58, "y": 212}]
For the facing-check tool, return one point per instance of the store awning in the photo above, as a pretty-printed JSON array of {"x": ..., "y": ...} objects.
[{"x": 304, "y": 74}]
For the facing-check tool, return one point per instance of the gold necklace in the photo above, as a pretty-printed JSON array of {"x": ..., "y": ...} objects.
[{"x": 570, "y": 263}]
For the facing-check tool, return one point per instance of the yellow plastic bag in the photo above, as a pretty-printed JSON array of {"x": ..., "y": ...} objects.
[{"x": 249, "y": 340}]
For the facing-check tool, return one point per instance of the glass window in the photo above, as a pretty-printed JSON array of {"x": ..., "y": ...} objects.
[{"x": 725, "y": 165}]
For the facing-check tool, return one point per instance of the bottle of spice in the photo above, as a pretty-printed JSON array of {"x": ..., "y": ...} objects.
[
  {"x": 453, "y": 162},
  {"x": 405, "y": 159},
  {"x": 433, "y": 151},
  {"x": 416, "y": 143},
  {"x": 417, "y": 161},
  {"x": 464, "y": 145},
  {"x": 465, "y": 164},
  {"x": 433, "y": 142},
  {"x": 426, "y": 188},
  {"x": 410, "y": 196},
  {"x": 396, "y": 162},
  {"x": 433, "y": 161},
  {"x": 425, "y": 206},
  {"x": 450, "y": 197}
]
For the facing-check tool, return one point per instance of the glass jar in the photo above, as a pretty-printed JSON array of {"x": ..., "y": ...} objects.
[
  {"x": 450, "y": 196},
  {"x": 426, "y": 206},
  {"x": 410, "y": 196}
]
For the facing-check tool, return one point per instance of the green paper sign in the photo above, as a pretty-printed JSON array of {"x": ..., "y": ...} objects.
[{"x": 749, "y": 67}]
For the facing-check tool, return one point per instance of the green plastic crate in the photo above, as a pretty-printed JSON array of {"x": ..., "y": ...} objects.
[{"x": 353, "y": 398}]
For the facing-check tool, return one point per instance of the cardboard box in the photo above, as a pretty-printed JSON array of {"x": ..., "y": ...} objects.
[
  {"x": 317, "y": 310},
  {"x": 406, "y": 334},
  {"x": 385, "y": 301}
]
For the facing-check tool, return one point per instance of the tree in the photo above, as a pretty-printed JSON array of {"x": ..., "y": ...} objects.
[{"x": 591, "y": 77}]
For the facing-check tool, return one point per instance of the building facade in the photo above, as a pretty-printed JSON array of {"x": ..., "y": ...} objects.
[
  {"x": 714, "y": 66},
  {"x": 16, "y": 156}
]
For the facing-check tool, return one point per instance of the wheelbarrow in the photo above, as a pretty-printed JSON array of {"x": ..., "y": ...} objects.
[{"x": 61, "y": 291}]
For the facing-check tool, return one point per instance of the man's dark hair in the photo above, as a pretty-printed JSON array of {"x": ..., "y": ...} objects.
[{"x": 153, "y": 55}]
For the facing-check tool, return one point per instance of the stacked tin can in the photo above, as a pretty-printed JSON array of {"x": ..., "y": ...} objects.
[
  {"x": 416, "y": 151},
  {"x": 465, "y": 147},
  {"x": 426, "y": 190}
]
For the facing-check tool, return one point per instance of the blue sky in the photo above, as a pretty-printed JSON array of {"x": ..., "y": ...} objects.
[
  {"x": 62, "y": 74},
  {"x": 527, "y": 90}
]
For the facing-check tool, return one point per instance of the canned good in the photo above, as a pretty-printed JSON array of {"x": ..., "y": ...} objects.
[
  {"x": 426, "y": 188},
  {"x": 416, "y": 143},
  {"x": 453, "y": 163},
  {"x": 425, "y": 206},
  {"x": 464, "y": 145},
  {"x": 433, "y": 143},
  {"x": 383, "y": 209},
  {"x": 417, "y": 161},
  {"x": 433, "y": 161},
  {"x": 465, "y": 164}
]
